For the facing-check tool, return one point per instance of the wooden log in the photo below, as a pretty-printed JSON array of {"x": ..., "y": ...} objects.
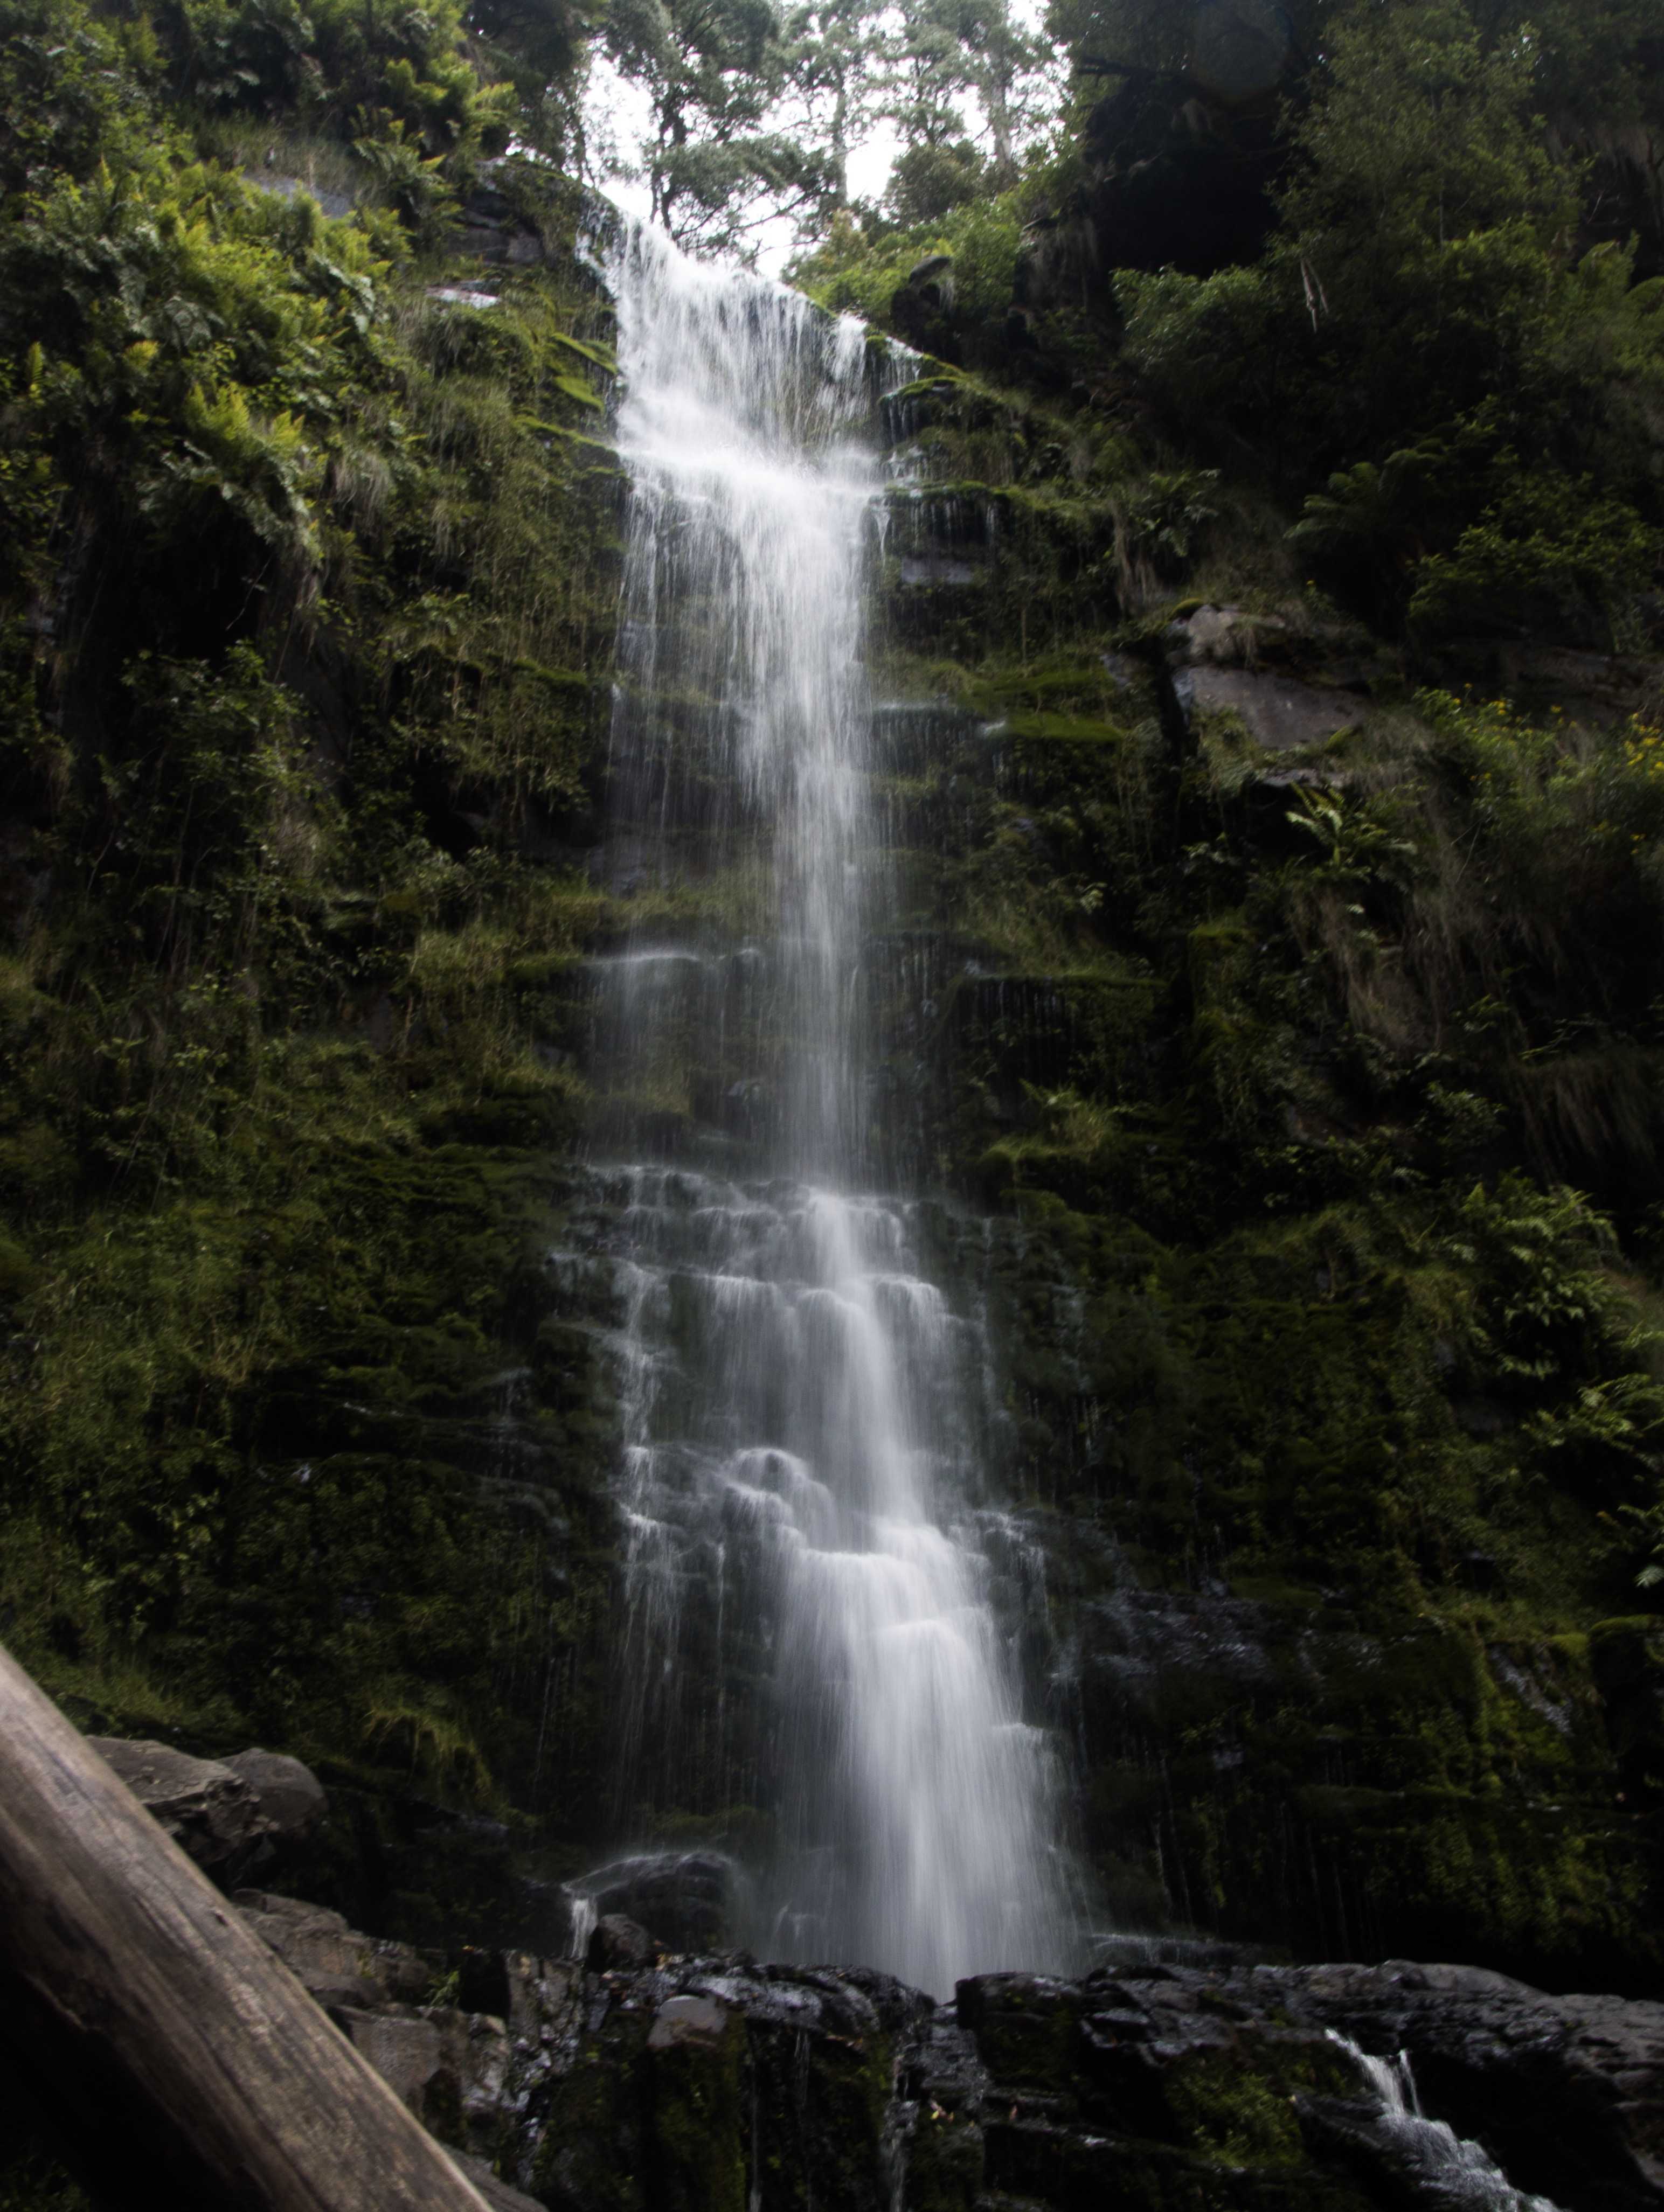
[{"x": 179, "y": 2061}]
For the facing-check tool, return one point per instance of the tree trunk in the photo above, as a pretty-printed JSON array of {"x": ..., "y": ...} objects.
[{"x": 177, "y": 2060}]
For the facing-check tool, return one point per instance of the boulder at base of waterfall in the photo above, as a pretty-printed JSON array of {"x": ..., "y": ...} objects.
[
  {"x": 1567, "y": 2092},
  {"x": 1155, "y": 2087},
  {"x": 289, "y": 1794},
  {"x": 208, "y": 1810},
  {"x": 683, "y": 1900},
  {"x": 333, "y": 1962},
  {"x": 618, "y": 1943}
]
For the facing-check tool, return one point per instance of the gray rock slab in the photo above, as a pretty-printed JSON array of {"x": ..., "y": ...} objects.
[
  {"x": 327, "y": 1957},
  {"x": 290, "y": 1795},
  {"x": 209, "y": 1812},
  {"x": 619, "y": 1941},
  {"x": 700, "y": 2021},
  {"x": 1279, "y": 713},
  {"x": 495, "y": 2191},
  {"x": 408, "y": 2054},
  {"x": 1224, "y": 637}
]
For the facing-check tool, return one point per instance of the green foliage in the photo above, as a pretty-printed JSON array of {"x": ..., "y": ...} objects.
[
  {"x": 1420, "y": 315},
  {"x": 196, "y": 348},
  {"x": 77, "y": 91},
  {"x": 754, "y": 111},
  {"x": 939, "y": 53},
  {"x": 717, "y": 162},
  {"x": 212, "y": 804},
  {"x": 339, "y": 68},
  {"x": 1210, "y": 344},
  {"x": 299, "y": 567},
  {"x": 443, "y": 1750},
  {"x": 1358, "y": 849},
  {"x": 851, "y": 271},
  {"x": 1420, "y": 139},
  {"x": 858, "y": 267},
  {"x": 1549, "y": 553},
  {"x": 928, "y": 183},
  {"x": 1549, "y": 1304},
  {"x": 1166, "y": 516}
]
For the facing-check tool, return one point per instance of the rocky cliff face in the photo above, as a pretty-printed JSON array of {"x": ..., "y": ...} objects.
[{"x": 1308, "y": 1699}]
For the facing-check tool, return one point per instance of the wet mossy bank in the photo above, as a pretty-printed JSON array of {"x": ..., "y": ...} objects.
[{"x": 306, "y": 647}]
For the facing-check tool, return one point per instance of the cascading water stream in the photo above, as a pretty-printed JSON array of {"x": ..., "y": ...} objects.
[
  {"x": 803, "y": 1410},
  {"x": 1451, "y": 2170}
]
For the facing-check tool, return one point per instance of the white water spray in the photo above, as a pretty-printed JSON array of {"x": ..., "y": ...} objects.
[
  {"x": 803, "y": 1408},
  {"x": 1462, "y": 2173}
]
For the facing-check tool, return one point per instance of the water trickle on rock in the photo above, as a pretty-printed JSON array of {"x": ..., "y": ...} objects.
[
  {"x": 1428, "y": 2154},
  {"x": 806, "y": 1414}
]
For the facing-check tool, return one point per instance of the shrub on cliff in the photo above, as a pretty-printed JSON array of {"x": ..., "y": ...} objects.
[{"x": 1419, "y": 323}]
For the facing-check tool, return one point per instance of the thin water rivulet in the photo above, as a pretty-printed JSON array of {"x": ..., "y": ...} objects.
[{"x": 800, "y": 1403}]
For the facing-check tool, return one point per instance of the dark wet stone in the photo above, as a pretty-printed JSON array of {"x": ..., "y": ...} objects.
[
  {"x": 210, "y": 1811},
  {"x": 683, "y": 1899},
  {"x": 1157, "y": 2084},
  {"x": 289, "y": 1794},
  {"x": 495, "y": 2191},
  {"x": 618, "y": 1943}
]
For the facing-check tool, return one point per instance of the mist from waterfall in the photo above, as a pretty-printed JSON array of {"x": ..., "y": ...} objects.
[{"x": 805, "y": 1412}]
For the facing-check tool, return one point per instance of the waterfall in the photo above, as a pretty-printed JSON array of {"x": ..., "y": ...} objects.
[
  {"x": 805, "y": 1412},
  {"x": 1429, "y": 2154}
]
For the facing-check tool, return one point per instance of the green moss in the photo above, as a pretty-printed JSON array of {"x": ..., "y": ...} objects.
[
  {"x": 1229, "y": 2113},
  {"x": 821, "y": 2105},
  {"x": 595, "y": 2147},
  {"x": 1065, "y": 729},
  {"x": 33, "y": 2181},
  {"x": 944, "y": 2165},
  {"x": 699, "y": 2122}
]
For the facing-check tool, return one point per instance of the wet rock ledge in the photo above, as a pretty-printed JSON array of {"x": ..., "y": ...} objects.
[
  {"x": 1178, "y": 2078},
  {"x": 638, "y": 2079}
]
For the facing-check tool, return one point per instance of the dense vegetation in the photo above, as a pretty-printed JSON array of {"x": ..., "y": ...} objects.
[
  {"x": 1345, "y": 1065},
  {"x": 305, "y": 577},
  {"x": 1328, "y": 1076}
]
